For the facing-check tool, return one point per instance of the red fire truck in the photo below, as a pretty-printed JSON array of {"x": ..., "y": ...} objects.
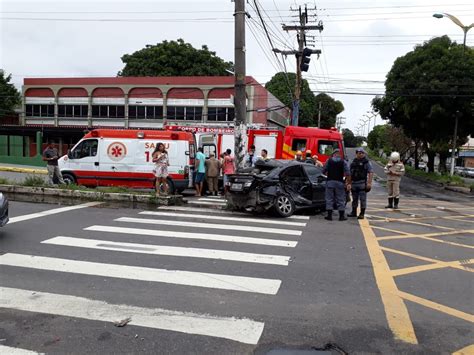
[{"x": 280, "y": 144}]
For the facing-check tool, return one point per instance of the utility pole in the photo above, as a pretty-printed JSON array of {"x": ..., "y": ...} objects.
[
  {"x": 339, "y": 122},
  {"x": 319, "y": 115},
  {"x": 302, "y": 56},
  {"x": 240, "y": 128}
]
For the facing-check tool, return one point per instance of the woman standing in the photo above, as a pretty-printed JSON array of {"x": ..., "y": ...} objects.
[{"x": 160, "y": 158}]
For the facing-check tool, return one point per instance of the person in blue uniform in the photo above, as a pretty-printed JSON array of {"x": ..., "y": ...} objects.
[
  {"x": 361, "y": 178},
  {"x": 336, "y": 169}
]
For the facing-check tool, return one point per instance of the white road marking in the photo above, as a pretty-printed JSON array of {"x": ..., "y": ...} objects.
[
  {"x": 178, "y": 277},
  {"x": 168, "y": 250},
  {"x": 212, "y": 200},
  {"x": 8, "y": 350},
  {"x": 207, "y": 203},
  {"x": 208, "y": 225},
  {"x": 187, "y": 235},
  {"x": 222, "y": 218},
  {"x": 242, "y": 330},
  {"x": 51, "y": 212},
  {"x": 213, "y": 210}
]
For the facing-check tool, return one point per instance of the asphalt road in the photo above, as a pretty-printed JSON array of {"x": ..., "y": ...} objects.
[{"x": 399, "y": 282}]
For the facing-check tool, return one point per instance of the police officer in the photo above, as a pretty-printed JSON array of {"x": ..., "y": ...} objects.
[
  {"x": 394, "y": 170},
  {"x": 361, "y": 177},
  {"x": 336, "y": 169}
]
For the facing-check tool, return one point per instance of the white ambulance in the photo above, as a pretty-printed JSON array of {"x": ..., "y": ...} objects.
[{"x": 108, "y": 157}]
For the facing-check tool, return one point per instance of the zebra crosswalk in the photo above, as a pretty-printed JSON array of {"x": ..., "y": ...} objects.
[{"x": 186, "y": 237}]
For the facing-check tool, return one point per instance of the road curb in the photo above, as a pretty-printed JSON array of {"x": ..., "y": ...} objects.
[
  {"x": 23, "y": 170},
  {"x": 173, "y": 200}
]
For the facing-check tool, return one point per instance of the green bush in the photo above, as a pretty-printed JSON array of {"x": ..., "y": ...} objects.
[
  {"x": 33, "y": 180},
  {"x": 4, "y": 181},
  {"x": 435, "y": 177},
  {"x": 74, "y": 187}
]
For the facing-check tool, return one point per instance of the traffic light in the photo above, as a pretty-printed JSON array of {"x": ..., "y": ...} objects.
[{"x": 305, "y": 59}]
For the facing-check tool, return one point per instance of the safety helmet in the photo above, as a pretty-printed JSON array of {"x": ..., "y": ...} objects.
[{"x": 395, "y": 156}]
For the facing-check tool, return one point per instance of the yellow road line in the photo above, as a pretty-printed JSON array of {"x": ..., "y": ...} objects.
[
  {"x": 414, "y": 256},
  {"x": 390, "y": 219},
  {"x": 436, "y": 306},
  {"x": 454, "y": 265},
  {"x": 431, "y": 239},
  {"x": 395, "y": 310},
  {"x": 390, "y": 230},
  {"x": 428, "y": 225},
  {"x": 433, "y": 266},
  {"x": 432, "y": 209},
  {"x": 468, "y": 350},
  {"x": 438, "y": 234},
  {"x": 23, "y": 170}
]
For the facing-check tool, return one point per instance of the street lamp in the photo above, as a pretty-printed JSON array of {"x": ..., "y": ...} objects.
[
  {"x": 369, "y": 118},
  {"x": 465, "y": 29},
  {"x": 373, "y": 115}
]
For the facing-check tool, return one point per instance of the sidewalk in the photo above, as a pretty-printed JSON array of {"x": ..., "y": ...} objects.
[{"x": 28, "y": 169}]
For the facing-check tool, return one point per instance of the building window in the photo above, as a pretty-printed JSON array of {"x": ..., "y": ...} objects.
[
  {"x": 221, "y": 114},
  {"x": 39, "y": 110},
  {"x": 108, "y": 111},
  {"x": 73, "y": 110},
  {"x": 145, "y": 112},
  {"x": 187, "y": 113}
]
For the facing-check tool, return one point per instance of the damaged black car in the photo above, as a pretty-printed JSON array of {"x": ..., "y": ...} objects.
[{"x": 281, "y": 185}]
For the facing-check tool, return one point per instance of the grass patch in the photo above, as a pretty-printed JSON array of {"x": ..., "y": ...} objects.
[
  {"x": 444, "y": 179},
  {"x": 74, "y": 187},
  {"x": 33, "y": 180},
  {"x": 374, "y": 156},
  {"x": 4, "y": 181}
]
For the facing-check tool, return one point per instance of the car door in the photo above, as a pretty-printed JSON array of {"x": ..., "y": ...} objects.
[
  {"x": 296, "y": 181},
  {"x": 318, "y": 182}
]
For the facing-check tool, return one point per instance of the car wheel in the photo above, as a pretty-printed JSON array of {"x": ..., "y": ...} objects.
[
  {"x": 69, "y": 178},
  {"x": 284, "y": 205}
]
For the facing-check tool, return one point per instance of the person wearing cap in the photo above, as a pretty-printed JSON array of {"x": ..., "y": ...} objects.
[
  {"x": 317, "y": 162},
  {"x": 336, "y": 169},
  {"x": 361, "y": 176},
  {"x": 299, "y": 155},
  {"x": 308, "y": 159}
]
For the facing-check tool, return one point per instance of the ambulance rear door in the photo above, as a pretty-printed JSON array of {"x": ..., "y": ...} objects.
[
  {"x": 227, "y": 142},
  {"x": 265, "y": 142}
]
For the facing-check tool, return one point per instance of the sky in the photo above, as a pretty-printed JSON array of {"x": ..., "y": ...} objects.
[{"x": 359, "y": 43}]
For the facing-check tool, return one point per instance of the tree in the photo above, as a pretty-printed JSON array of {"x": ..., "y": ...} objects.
[
  {"x": 174, "y": 58},
  {"x": 426, "y": 89},
  {"x": 349, "y": 138},
  {"x": 9, "y": 95},
  {"x": 282, "y": 86},
  {"x": 377, "y": 139},
  {"x": 330, "y": 108}
]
